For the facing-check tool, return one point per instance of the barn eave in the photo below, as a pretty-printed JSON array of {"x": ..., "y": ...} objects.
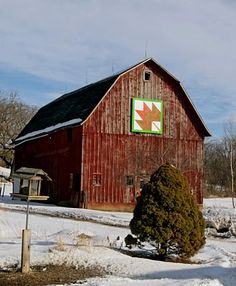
[{"x": 45, "y": 132}]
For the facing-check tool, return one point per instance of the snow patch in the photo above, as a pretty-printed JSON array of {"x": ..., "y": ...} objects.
[
  {"x": 213, "y": 265},
  {"x": 48, "y": 129}
]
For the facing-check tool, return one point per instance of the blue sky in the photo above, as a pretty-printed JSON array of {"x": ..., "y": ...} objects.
[{"x": 48, "y": 48}]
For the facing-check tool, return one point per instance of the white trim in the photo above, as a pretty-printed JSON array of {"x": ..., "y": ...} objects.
[
  {"x": 191, "y": 102},
  {"x": 29, "y": 139},
  {"x": 119, "y": 75},
  {"x": 48, "y": 129},
  {"x": 100, "y": 101}
]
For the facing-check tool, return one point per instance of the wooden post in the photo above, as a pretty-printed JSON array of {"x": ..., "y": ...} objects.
[
  {"x": 3, "y": 191},
  {"x": 25, "y": 252},
  {"x": 27, "y": 214}
]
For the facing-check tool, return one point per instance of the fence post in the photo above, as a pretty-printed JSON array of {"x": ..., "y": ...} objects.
[{"x": 25, "y": 252}]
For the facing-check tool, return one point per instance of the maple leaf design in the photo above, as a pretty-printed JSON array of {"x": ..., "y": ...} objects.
[{"x": 148, "y": 116}]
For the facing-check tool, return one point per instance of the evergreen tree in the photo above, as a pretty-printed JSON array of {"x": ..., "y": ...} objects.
[{"x": 167, "y": 215}]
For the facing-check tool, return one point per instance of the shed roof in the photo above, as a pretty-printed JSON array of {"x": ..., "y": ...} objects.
[
  {"x": 74, "y": 108},
  {"x": 31, "y": 173}
]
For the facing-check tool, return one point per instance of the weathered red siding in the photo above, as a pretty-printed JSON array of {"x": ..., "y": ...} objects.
[
  {"x": 58, "y": 157},
  {"x": 111, "y": 150}
]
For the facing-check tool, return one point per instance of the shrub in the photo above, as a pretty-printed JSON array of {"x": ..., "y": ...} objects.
[
  {"x": 60, "y": 245},
  {"x": 167, "y": 215}
]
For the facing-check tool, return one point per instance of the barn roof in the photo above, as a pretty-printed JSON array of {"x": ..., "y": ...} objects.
[{"x": 74, "y": 108}]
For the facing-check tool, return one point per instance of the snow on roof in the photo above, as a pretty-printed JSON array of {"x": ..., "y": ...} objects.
[
  {"x": 69, "y": 109},
  {"x": 46, "y": 130}
]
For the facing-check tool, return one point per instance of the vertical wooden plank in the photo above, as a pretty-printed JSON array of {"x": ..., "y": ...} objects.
[{"x": 25, "y": 251}]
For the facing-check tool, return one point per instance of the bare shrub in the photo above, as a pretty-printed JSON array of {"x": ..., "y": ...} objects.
[
  {"x": 85, "y": 241},
  {"x": 60, "y": 245}
]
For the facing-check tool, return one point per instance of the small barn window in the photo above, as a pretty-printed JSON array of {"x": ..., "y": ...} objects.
[
  {"x": 69, "y": 135},
  {"x": 147, "y": 75},
  {"x": 71, "y": 181},
  {"x": 74, "y": 182},
  {"x": 142, "y": 183},
  {"x": 97, "y": 179},
  {"x": 129, "y": 180}
]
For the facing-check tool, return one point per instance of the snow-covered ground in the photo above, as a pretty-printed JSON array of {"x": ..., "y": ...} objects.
[{"x": 56, "y": 239}]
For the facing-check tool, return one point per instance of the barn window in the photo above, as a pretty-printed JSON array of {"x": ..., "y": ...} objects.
[
  {"x": 142, "y": 183},
  {"x": 97, "y": 179},
  {"x": 147, "y": 75},
  {"x": 71, "y": 181},
  {"x": 74, "y": 182},
  {"x": 69, "y": 135},
  {"x": 129, "y": 180}
]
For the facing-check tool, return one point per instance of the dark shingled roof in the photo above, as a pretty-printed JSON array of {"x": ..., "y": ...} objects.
[{"x": 74, "y": 107}]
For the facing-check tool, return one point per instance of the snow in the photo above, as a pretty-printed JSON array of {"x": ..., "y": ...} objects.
[
  {"x": 52, "y": 226},
  {"x": 218, "y": 203},
  {"x": 5, "y": 172},
  {"x": 46, "y": 130}
]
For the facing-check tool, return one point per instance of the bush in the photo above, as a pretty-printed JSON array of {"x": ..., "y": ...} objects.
[{"x": 167, "y": 215}]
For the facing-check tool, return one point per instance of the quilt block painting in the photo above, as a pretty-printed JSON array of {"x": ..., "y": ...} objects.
[{"x": 147, "y": 116}]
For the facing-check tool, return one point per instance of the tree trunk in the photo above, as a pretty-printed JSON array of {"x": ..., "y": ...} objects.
[
  {"x": 163, "y": 251},
  {"x": 232, "y": 173}
]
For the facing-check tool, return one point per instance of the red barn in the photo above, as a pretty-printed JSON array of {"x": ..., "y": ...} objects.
[{"x": 102, "y": 142}]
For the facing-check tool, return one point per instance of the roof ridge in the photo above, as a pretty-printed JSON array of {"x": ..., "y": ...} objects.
[{"x": 100, "y": 80}]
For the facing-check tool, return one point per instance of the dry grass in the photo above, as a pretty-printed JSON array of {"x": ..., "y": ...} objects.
[
  {"x": 84, "y": 241},
  {"x": 60, "y": 246},
  {"x": 49, "y": 274}
]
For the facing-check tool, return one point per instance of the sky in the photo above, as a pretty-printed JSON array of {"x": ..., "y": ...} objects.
[{"x": 48, "y": 48}]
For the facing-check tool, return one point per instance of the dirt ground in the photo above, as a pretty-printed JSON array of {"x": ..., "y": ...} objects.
[{"x": 50, "y": 274}]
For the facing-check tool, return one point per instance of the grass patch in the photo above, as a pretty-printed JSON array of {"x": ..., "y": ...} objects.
[{"x": 49, "y": 274}]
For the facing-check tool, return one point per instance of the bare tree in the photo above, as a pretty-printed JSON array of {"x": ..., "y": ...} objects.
[
  {"x": 14, "y": 115},
  {"x": 230, "y": 145},
  {"x": 216, "y": 167}
]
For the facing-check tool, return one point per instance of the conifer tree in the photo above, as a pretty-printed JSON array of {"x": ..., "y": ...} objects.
[{"x": 167, "y": 215}]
